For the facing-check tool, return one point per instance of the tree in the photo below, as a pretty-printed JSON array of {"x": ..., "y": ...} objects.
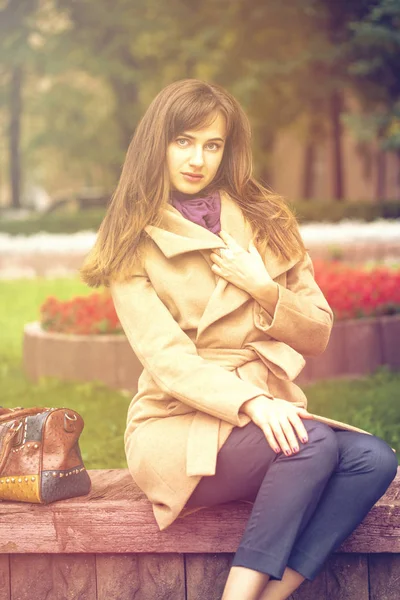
[
  {"x": 375, "y": 66},
  {"x": 16, "y": 25}
]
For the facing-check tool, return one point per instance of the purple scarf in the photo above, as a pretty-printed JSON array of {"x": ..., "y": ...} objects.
[{"x": 203, "y": 210}]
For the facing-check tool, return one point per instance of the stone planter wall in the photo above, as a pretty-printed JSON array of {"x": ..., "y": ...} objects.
[
  {"x": 356, "y": 348},
  {"x": 104, "y": 358}
]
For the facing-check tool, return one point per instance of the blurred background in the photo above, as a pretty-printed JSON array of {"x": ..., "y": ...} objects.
[{"x": 320, "y": 82}]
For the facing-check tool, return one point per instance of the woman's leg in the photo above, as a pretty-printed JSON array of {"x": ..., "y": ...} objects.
[
  {"x": 286, "y": 500},
  {"x": 241, "y": 466},
  {"x": 362, "y": 459},
  {"x": 367, "y": 466},
  {"x": 285, "y": 490},
  {"x": 365, "y": 470}
]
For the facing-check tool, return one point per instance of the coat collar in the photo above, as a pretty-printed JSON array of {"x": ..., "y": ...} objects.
[{"x": 178, "y": 235}]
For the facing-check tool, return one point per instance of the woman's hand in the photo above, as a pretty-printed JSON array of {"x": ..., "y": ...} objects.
[
  {"x": 278, "y": 419},
  {"x": 244, "y": 269}
]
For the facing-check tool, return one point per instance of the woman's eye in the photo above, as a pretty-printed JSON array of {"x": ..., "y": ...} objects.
[
  {"x": 214, "y": 146},
  {"x": 183, "y": 143}
]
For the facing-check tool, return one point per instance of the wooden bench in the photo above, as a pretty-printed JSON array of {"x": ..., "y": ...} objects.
[{"x": 107, "y": 546}]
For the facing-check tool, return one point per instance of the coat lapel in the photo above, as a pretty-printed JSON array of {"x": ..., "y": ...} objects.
[{"x": 177, "y": 235}]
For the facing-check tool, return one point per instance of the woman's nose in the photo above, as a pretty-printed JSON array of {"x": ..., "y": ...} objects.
[{"x": 196, "y": 158}]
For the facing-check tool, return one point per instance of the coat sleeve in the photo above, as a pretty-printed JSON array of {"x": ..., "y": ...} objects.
[
  {"x": 302, "y": 318},
  {"x": 171, "y": 357}
]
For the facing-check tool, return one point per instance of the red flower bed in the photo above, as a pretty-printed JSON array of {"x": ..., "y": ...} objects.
[
  {"x": 350, "y": 291},
  {"x": 94, "y": 314},
  {"x": 355, "y": 293}
]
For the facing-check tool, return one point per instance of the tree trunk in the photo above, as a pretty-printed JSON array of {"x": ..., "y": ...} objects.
[
  {"x": 380, "y": 190},
  {"x": 126, "y": 118},
  {"x": 398, "y": 175},
  {"x": 308, "y": 170},
  {"x": 336, "y": 105},
  {"x": 15, "y": 135},
  {"x": 314, "y": 138},
  {"x": 265, "y": 140}
]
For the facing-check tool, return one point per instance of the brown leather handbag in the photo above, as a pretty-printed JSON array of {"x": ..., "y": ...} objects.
[{"x": 40, "y": 458}]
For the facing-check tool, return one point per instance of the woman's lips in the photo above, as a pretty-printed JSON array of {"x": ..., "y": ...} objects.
[{"x": 192, "y": 177}]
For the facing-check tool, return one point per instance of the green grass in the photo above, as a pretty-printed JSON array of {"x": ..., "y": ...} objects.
[
  {"x": 20, "y": 301},
  {"x": 103, "y": 410},
  {"x": 370, "y": 403}
]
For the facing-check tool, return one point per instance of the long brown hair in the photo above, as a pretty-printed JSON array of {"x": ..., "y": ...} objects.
[{"x": 143, "y": 189}]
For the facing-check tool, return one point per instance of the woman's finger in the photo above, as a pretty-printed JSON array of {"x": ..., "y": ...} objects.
[
  {"x": 299, "y": 427},
  {"x": 288, "y": 430},
  {"x": 229, "y": 240},
  {"x": 303, "y": 413},
  {"x": 279, "y": 435},
  {"x": 270, "y": 437},
  {"x": 215, "y": 257}
]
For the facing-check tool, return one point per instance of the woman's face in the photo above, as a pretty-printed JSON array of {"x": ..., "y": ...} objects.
[{"x": 193, "y": 157}]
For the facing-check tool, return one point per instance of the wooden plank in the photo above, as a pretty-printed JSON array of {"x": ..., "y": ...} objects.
[
  {"x": 141, "y": 577},
  {"x": 379, "y": 528},
  {"x": 5, "y": 577},
  {"x": 347, "y": 577},
  {"x": 206, "y": 575},
  {"x": 117, "y": 576},
  {"x": 53, "y": 577},
  {"x": 384, "y": 576},
  {"x": 116, "y": 517},
  {"x": 312, "y": 590}
]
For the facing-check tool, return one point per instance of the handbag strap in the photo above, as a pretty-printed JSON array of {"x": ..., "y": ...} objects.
[{"x": 18, "y": 412}]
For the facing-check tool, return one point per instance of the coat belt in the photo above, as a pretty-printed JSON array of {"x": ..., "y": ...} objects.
[{"x": 201, "y": 457}]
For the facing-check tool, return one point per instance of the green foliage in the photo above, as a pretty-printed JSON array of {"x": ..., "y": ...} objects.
[
  {"x": 91, "y": 71},
  {"x": 368, "y": 403},
  {"x": 85, "y": 220},
  {"x": 306, "y": 211},
  {"x": 375, "y": 67},
  {"x": 333, "y": 212}
]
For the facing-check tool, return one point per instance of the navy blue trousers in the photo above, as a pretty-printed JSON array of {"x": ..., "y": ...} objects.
[{"x": 304, "y": 505}]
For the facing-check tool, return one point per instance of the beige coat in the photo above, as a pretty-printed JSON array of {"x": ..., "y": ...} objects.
[{"x": 206, "y": 347}]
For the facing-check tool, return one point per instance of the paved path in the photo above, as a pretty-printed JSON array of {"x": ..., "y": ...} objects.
[
  {"x": 46, "y": 264},
  {"x": 61, "y": 255}
]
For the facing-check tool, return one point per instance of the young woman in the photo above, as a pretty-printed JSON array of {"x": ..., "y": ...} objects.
[{"x": 216, "y": 294}]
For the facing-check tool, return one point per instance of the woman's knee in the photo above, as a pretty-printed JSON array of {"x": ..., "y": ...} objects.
[
  {"x": 389, "y": 463},
  {"x": 322, "y": 444},
  {"x": 371, "y": 454}
]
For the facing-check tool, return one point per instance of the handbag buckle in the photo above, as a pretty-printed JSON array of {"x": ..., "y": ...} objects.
[
  {"x": 17, "y": 439},
  {"x": 69, "y": 422}
]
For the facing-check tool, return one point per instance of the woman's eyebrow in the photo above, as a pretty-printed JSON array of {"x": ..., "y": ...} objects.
[{"x": 192, "y": 137}]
